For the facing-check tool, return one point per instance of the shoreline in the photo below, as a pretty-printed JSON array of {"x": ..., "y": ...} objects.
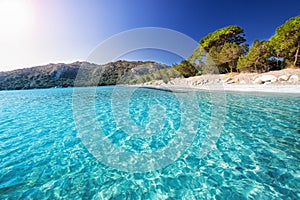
[
  {"x": 282, "y": 89},
  {"x": 250, "y": 88},
  {"x": 282, "y": 81},
  {"x": 285, "y": 81}
]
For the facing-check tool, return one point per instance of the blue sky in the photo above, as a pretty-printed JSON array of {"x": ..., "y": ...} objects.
[{"x": 37, "y": 32}]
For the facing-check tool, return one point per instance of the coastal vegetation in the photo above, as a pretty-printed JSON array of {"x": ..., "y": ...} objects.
[
  {"x": 286, "y": 42},
  {"x": 224, "y": 51},
  {"x": 64, "y": 75},
  {"x": 224, "y": 47},
  {"x": 257, "y": 58},
  {"x": 227, "y": 51}
]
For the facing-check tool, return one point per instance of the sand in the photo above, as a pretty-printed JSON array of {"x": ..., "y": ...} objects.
[{"x": 243, "y": 82}]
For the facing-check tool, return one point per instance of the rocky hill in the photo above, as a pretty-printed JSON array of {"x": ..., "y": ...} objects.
[{"x": 64, "y": 75}]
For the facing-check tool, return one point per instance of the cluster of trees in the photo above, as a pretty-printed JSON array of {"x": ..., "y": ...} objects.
[
  {"x": 163, "y": 74},
  {"x": 89, "y": 74},
  {"x": 222, "y": 51},
  {"x": 226, "y": 50}
]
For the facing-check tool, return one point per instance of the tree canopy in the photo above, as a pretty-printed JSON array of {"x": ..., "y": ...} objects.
[
  {"x": 257, "y": 58},
  {"x": 186, "y": 69},
  {"x": 229, "y": 34},
  {"x": 286, "y": 41},
  {"x": 226, "y": 56},
  {"x": 226, "y": 50},
  {"x": 223, "y": 46}
]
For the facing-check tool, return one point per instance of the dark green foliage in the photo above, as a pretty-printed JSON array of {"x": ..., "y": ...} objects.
[
  {"x": 268, "y": 55},
  {"x": 64, "y": 75},
  {"x": 225, "y": 57},
  {"x": 225, "y": 50},
  {"x": 257, "y": 59},
  {"x": 286, "y": 41},
  {"x": 186, "y": 69},
  {"x": 221, "y": 49},
  {"x": 163, "y": 74},
  {"x": 229, "y": 34}
]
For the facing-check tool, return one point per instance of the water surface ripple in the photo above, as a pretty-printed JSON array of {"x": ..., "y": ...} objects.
[{"x": 257, "y": 155}]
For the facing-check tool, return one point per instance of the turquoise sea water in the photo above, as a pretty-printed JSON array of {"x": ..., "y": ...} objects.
[{"x": 43, "y": 155}]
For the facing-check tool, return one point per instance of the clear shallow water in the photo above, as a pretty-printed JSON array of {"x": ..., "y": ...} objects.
[{"x": 257, "y": 155}]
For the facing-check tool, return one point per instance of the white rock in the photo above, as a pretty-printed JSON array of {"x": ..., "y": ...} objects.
[
  {"x": 217, "y": 80},
  {"x": 268, "y": 78},
  {"x": 242, "y": 82},
  {"x": 237, "y": 80},
  {"x": 230, "y": 82},
  {"x": 283, "y": 77},
  {"x": 199, "y": 82},
  {"x": 227, "y": 80},
  {"x": 294, "y": 79},
  {"x": 258, "y": 81}
]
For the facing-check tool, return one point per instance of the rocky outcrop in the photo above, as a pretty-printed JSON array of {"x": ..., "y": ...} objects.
[
  {"x": 258, "y": 81},
  {"x": 265, "y": 79},
  {"x": 285, "y": 76},
  {"x": 281, "y": 77},
  {"x": 268, "y": 78},
  {"x": 127, "y": 72},
  {"x": 293, "y": 79},
  {"x": 229, "y": 80}
]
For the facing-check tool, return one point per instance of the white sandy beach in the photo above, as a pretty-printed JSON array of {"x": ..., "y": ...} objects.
[
  {"x": 282, "y": 81},
  {"x": 264, "y": 88}
]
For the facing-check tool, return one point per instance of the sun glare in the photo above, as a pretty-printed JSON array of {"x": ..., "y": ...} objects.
[{"x": 15, "y": 17}]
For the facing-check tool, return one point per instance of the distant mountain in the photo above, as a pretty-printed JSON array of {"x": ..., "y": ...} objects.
[{"x": 89, "y": 74}]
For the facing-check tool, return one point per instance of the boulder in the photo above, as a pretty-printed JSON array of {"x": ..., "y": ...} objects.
[
  {"x": 199, "y": 82},
  {"x": 242, "y": 82},
  {"x": 283, "y": 77},
  {"x": 218, "y": 80},
  {"x": 268, "y": 78},
  {"x": 229, "y": 79},
  {"x": 258, "y": 81},
  {"x": 294, "y": 79},
  {"x": 230, "y": 82}
]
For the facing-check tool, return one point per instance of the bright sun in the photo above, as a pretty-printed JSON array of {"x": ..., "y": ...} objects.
[{"x": 15, "y": 17}]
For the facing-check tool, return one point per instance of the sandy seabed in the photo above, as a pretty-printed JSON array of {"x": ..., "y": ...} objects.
[{"x": 293, "y": 89}]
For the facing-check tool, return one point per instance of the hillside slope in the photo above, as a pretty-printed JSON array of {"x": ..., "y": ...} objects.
[{"x": 64, "y": 75}]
